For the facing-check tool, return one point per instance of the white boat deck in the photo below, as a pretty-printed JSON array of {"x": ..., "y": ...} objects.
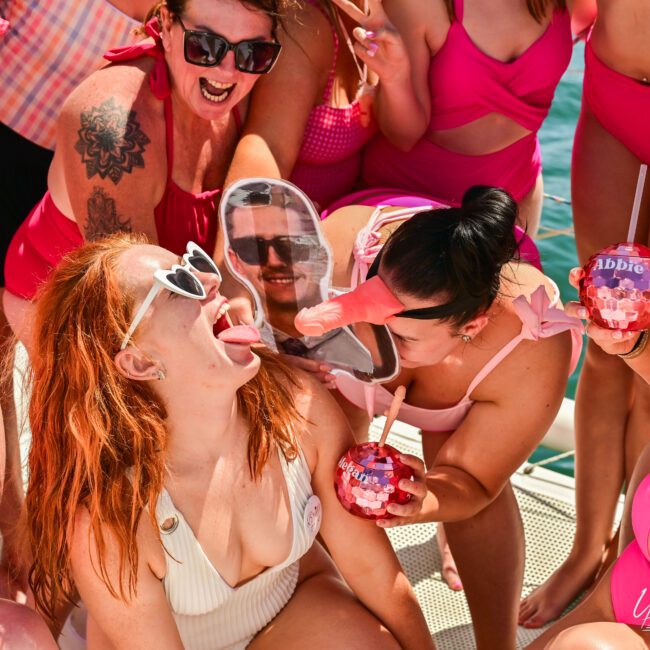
[{"x": 546, "y": 500}]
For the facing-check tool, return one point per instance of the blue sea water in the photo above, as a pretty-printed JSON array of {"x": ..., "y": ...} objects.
[{"x": 555, "y": 239}]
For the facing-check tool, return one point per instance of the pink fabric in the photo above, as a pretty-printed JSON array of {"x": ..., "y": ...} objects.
[
  {"x": 631, "y": 574},
  {"x": 4, "y": 26},
  {"x": 45, "y": 237},
  {"x": 49, "y": 49},
  {"x": 158, "y": 78},
  {"x": 467, "y": 84},
  {"x": 431, "y": 170},
  {"x": 329, "y": 162},
  {"x": 621, "y": 104},
  {"x": 539, "y": 320},
  {"x": 395, "y": 198},
  {"x": 180, "y": 216}
]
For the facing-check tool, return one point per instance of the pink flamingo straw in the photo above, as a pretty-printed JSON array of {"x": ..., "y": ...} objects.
[
  {"x": 637, "y": 203},
  {"x": 391, "y": 414}
]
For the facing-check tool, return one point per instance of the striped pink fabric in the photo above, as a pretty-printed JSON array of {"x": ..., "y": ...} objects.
[{"x": 48, "y": 49}]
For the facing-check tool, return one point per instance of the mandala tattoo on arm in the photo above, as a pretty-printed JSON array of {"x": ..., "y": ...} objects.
[
  {"x": 102, "y": 216},
  {"x": 111, "y": 141}
]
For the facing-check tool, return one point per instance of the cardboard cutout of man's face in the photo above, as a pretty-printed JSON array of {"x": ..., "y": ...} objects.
[{"x": 274, "y": 246}]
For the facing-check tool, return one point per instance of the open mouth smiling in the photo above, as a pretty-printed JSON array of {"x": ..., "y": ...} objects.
[{"x": 215, "y": 91}]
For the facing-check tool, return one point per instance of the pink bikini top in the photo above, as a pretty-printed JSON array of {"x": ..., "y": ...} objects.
[
  {"x": 540, "y": 318},
  {"x": 333, "y": 135},
  {"x": 180, "y": 216},
  {"x": 467, "y": 84}
]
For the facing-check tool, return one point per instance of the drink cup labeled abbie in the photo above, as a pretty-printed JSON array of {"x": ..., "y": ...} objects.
[{"x": 615, "y": 287}]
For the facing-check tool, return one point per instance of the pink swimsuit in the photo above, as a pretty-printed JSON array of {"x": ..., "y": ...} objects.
[
  {"x": 620, "y": 103},
  {"x": 540, "y": 319},
  {"x": 329, "y": 162},
  {"x": 630, "y": 578},
  {"x": 47, "y": 234},
  {"x": 467, "y": 84}
]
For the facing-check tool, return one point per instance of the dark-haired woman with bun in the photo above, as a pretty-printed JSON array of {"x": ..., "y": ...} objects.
[{"x": 485, "y": 350}]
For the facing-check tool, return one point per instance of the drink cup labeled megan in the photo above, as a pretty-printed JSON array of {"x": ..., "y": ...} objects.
[{"x": 367, "y": 480}]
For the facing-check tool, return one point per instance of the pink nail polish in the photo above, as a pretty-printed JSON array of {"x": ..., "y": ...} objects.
[{"x": 370, "y": 34}]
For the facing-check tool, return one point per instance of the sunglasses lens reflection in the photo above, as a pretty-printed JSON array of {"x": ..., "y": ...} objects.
[
  {"x": 184, "y": 280},
  {"x": 256, "y": 56},
  {"x": 205, "y": 49},
  {"x": 202, "y": 264}
]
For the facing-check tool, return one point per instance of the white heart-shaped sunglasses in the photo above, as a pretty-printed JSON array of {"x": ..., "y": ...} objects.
[{"x": 179, "y": 279}]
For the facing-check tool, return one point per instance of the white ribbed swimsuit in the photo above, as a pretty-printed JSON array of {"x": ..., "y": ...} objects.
[{"x": 209, "y": 613}]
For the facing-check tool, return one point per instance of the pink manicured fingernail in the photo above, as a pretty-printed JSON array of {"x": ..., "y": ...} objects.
[
  {"x": 370, "y": 34},
  {"x": 582, "y": 312}
]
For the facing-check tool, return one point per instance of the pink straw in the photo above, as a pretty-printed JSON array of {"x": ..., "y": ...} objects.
[
  {"x": 391, "y": 414},
  {"x": 637, "y": 203}
]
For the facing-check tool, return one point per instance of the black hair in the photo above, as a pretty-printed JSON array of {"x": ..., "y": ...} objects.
[{"x": 455, "y": 252}]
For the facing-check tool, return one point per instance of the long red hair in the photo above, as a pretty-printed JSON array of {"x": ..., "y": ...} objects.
[
  {"x": 536, "y": 8},
  {"x": 99, "y": 439}
]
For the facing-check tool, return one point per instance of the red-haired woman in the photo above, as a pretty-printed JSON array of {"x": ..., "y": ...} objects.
[
  {"x": 464, "y": 107},
  {"x": 177, "y": 479}
]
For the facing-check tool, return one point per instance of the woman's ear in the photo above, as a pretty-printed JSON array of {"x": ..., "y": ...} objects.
[
  {"x": 472, "y": 328},
  {"x": 133, "y": 364},
  {"x": 166, "y": 22}
]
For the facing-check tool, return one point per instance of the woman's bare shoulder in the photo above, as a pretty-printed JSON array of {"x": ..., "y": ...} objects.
[
  {"x": 308, "y": 31},
  {"x": 430, "y": 19},
  {"x": 83, "y": 547},
  {"x": 340, "y": 230},
  {"x": 121, "y": 86},
  {"x": 523, "y": 279},
  {"x": 323, "y": 420}
]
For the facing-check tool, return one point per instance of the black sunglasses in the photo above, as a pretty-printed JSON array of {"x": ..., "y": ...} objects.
[
  {"x": 208, "y": 49},
  {"x": 255, "y": 250},
  {"x": 426, "y": 313}
]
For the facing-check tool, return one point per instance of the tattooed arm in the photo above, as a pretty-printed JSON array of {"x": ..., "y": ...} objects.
[
  {"x": 102, "y": 216},
  {"x": 109, "y": 170}
]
